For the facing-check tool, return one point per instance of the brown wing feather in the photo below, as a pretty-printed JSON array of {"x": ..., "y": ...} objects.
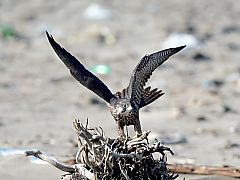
[
  {"x": 149, "y": 96},
  {"x": 80, "y": 73},
  {"x": 144, "y": 70}
]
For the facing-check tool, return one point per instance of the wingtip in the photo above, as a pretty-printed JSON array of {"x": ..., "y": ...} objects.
[
  {"x": 47, "y": 33},
  {"x": 49, "y": 36},
  {"x": 180, "y": 48}
]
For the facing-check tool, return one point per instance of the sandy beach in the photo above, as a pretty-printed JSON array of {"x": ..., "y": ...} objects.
[{"x": 198, "y": 117}]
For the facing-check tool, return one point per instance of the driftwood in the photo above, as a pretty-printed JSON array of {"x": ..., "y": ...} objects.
[
  {"x": 204, "y": 170},
  {"x": 99, "y": 157},
  {"x": 79, "y": 171},
  {"x": 72, "y": 169}
]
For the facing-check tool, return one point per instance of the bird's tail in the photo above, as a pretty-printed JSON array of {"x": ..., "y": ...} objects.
[{"x": 149, "y": 96}]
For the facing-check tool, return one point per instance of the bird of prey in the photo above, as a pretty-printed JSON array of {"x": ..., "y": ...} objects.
[{"x": 124, "y": 105}]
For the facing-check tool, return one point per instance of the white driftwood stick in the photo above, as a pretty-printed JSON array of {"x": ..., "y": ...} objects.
[{"x": 63, "y": 167}]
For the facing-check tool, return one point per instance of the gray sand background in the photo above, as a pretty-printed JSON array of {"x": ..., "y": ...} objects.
[{"x": 198, "y": 116}]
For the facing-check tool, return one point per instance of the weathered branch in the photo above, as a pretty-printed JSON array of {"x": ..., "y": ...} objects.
[
  {"x": 80, "y": 168},
  {"x": 205, "y": 170},
  {"x": 51, "y": 160},
  {"x": 99, "y": 157},
  {"x": 115, "y": 159}
]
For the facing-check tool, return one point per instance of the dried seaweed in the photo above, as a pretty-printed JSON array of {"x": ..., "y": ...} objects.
[
  {"x": 116, "y": 159},
  {"x": 99, "y": 157}
]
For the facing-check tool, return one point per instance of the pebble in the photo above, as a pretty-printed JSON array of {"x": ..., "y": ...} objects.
[
  {"x": 201, "y": 118},
  {"x": 179, "y": 39},
  {"x": 225, "y": 108},
  {"x": 97, "y": 12},
  {"x": 212, "y": 85},
  {"x": 217, "y": 83},
  {"x": 200, "y": 57},
  {"x": 106, "y": 36},
  {"x": 230, "y": 145},
  {"x": 235, "y": 128},
  {"x": 234, "y": 46},
  {"x": 231, "y": 29},
  {"x": 103, "y": 34},
  {"x": 179, "y": 112}
]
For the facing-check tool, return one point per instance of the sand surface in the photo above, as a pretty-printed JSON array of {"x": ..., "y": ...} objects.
[{"x": 198, "y": 116}]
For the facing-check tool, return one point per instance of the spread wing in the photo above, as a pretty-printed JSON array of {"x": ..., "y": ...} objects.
[
  {"x": 80, "y": 73},
  {"x": 144, "y": 70}
]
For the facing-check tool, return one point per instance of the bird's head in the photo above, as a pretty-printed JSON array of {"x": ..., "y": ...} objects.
[{"x": 122, "y": 107}]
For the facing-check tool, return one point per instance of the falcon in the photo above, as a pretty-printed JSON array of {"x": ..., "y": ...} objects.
[{"x": 124, "y": 105}]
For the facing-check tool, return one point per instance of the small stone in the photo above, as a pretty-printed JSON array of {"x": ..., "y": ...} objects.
[
  {"x": 177, "y": 39},
  {"x": 201, "y": 118},
  {"x": 191, "y": 29},
  {"x": 231, "y": 29},
  {"x": 226, "y": 108},
  {"x": 212, "y": 85},
  {"x": 105, "y": 36},
  {"x": 235, "y": 128},
  {"x": 234, "y": 46},
  {"x": 229, "y": 145},
  {"x": 217, "y": 83},
  {"x": 179, "y": 112},
  {"x": 200, "y": 57},
  {"x": 97, "y": 12}
]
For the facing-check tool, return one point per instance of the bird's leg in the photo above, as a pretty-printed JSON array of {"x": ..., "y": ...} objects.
[
  {"x": 137, "y": 129},
  {"x": 121, "y": 133}
]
